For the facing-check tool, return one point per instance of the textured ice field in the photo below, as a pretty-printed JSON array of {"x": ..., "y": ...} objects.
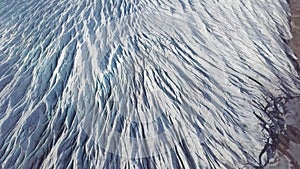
[{"x": 141, "y": 83}]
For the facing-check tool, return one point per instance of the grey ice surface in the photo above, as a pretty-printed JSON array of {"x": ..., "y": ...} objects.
[{"x": 140, "y": 84}]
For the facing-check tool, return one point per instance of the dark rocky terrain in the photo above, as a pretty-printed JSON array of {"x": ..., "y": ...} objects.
[{"x": 295, "y": 26}]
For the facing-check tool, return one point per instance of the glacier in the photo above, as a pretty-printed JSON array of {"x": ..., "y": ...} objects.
[{"x": 143, "y": 84}]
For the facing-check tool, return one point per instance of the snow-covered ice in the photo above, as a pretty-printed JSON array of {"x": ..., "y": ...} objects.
[{"x": 141, "y": 84}]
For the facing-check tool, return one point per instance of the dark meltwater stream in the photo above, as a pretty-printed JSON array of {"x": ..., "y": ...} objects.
[{"x": 146, "y": 84}]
